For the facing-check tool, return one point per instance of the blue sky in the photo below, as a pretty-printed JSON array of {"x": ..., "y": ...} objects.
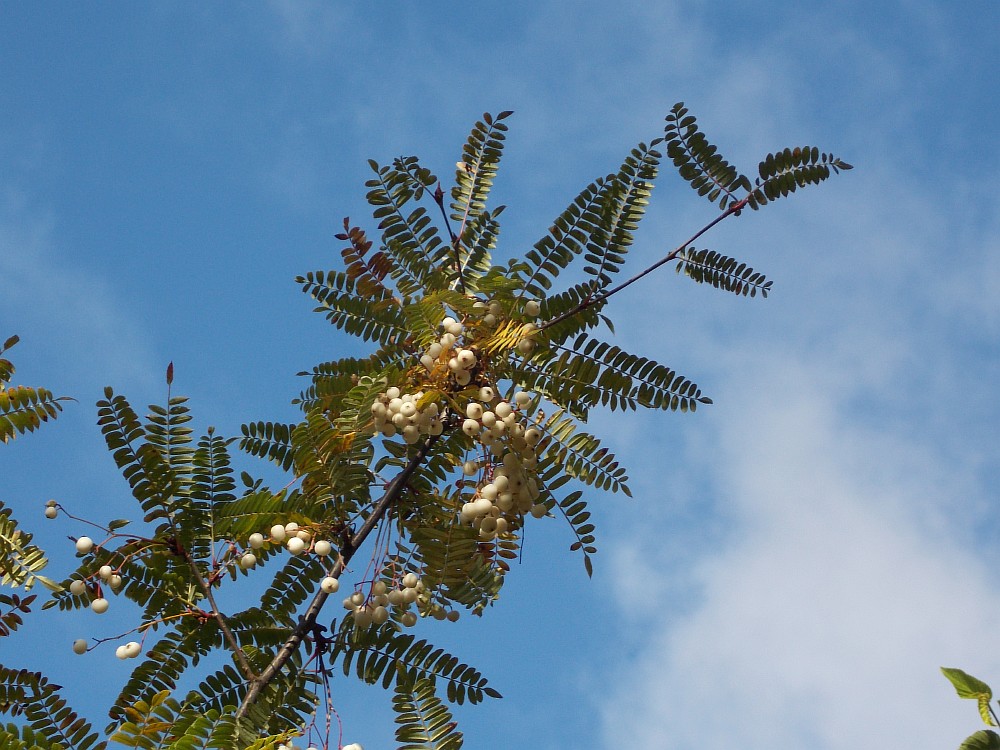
[{"x": 798, "y": 559}]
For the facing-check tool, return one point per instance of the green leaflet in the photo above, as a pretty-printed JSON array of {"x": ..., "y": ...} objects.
[
  {"x": 20, "y": 560},
  {"x": 581, "y": 455},
  {"x": 783, "y": 172},
  {"x": 22, "y": 408},
  {"x": 478, "y": 168},
  {"x": 269, "y": 440},
  {"x": 984, "y": 739},
  {"x": 369, "y": 318},
  {"x": 968, "y": 686},
  {"x": 699, "y": 162},
  {"x": 621, "y": 209},
  {"x": 710, "y": 267},
  {"x": 410, "y": 239},
  {"x": 423, "y": 721},
  {"x": 31, "y": 695}
]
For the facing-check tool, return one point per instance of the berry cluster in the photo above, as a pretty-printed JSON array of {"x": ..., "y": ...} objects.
[
  {"x": 396, "y": 412},
  {"x": 374, "y": 609},
  {"x": 296, "y": 540},
  {"x": 507, "y": 487},
  {"x": 99, "y": 604},
  {"x": 106, "y": 573}
]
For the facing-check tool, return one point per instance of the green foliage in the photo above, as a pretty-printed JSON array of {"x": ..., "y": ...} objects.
[
  {"x": 386, "y": 655},
  {"x": 984, "y": 739},
  {"x": 22, "y": 408},
  {"x": 20, "y": 560},
  {"x": 783, "y": 172},
  {"x": 710, "y": 267},
  {"x": 15, "y": 606},
  {"x": 424, "y": 721},
  {"x": 463, "y": 426},
  {"x": 31, "y": 695},
  {"x": 699, "y": 162},
  {"x": 970, "y": 687}
]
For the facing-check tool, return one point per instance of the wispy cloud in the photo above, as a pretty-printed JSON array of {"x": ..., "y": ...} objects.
[{"x": 822, "y": 620}]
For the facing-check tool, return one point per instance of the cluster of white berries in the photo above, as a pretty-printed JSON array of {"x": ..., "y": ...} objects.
[
  {"x": 99, "y": 604},
  {"x": 461, "y": 361},
  {"x": 51, "y": 511},
  {"x": 107, "y": 574},
  {"x": 128, "y": 650},
  {"x": 296, "y": 540},
  {"x": 526, "y": 344},
  {"x": 508, "y": 487},
  {"x": 397, "y": 412},
  {"x": 374, "y": 609}
]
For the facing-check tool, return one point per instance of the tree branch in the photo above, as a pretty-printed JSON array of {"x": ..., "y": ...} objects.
[{"x": 392, "y": 493}]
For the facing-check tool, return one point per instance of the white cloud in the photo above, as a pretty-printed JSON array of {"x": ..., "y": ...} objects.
[
  {"x": 823, "y": 620},
  {"x": 804, "y": 589}
]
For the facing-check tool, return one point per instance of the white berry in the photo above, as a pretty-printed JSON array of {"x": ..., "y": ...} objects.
[
  {"x": 466, "y": 359},
  {"x": 296, "y": 545},
  {"x": 249, "y": 560},
  {"x": 100, "y": 606},
  {"x": 329, "y": 585},
  {"x": 84, "y": 544},
  {"x": 105, "y": 572},
  {"x": 362, "y": 618},
  {"x": 51, "y": 512},
  {"x": 79, "y": 646},
  {"x": 132, "y": 650},
  {"x": 322, "y": 548},
  {"x": 78, "y": 588},
  {"x": 278, "y": 533}
]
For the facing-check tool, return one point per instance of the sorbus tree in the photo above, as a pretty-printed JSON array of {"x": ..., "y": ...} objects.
[{"x": 430, "y": 456}]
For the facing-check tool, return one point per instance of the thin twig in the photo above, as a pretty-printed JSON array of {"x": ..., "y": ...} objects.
[
  {"x": 735, "y": 208},
  {"x": 455, "y": 242},
  {"x": 217, "y": 614}
]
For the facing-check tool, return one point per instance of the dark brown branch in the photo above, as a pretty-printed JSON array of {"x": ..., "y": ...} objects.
[{"x": 352, "y": 545}]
